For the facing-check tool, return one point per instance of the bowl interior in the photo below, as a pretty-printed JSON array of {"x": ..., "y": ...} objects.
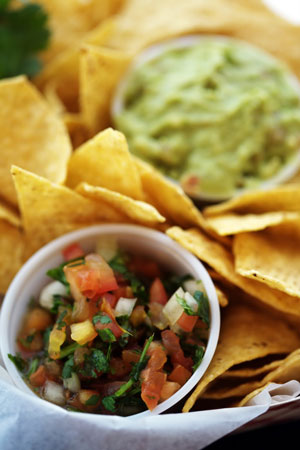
[{"x": 31, "y": 279}]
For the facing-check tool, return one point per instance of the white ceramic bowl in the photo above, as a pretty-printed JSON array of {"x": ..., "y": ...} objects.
[
  {"x": 117, "y": 105},
  {"x": 31, "y": 279}
]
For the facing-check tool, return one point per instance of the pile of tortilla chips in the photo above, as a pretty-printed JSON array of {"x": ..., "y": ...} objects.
[{"x": 63, "y": 167}]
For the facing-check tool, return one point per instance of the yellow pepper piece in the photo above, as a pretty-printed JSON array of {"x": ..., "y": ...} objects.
[
  {"x": 56, "y": 339},
  {"x": 83, "y": 332}
]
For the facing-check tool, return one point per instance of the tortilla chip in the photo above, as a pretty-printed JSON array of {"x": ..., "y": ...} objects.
[
  {"x": 271, "y": 256},
  {"x": 222, "y": 296},
  {"x": 241, "y": 341},
  {"x": 246, "y": 371},
  {"x": 167, "y": 197},
  {"x": 105, "y": 161},
  {"x": 76, "y": 129},
  {"x": 100, "y": 71},
  {"x": 288, "y": 370},
  {"x": 282, "y": 198},
  {"x": 71, "y": 20},
  {"x": 31, "y": 136},
  {"x": 221, "y": 260},
  {"x": 53, "y": 99},
  {"x": 63, "y": 70},
  {"x": 135, "y": 210},
  {"x": 229, "y": 223},
  {"x": 12, "y": 253},
  {"x": 50, "y": 210},
  {"x": 8, "y": 214}
]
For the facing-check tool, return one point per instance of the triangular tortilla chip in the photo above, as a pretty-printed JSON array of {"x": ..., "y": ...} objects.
[
  {"x": 9, "y": 215},
  {"x": 136, "y": 210},
  {"x": 100, "y": 71},
  {"x": 271, "y": 256},
  {"x": 105, "y": 161},
  {"x": 32, "y": 136},
  {"x": 221, "y": 260},
  {"x": 49, "y": 210},
  {"x": 12, "y": 246},
  {"x": 241, "y": 341}
]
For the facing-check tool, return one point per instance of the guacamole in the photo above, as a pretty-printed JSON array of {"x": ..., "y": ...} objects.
[{"x": 218, "y": 115}]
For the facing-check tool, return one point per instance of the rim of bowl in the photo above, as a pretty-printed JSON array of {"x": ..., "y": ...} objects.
[
  {"x": 55, "y": 246},
  {"x": 147, "y": 54}
]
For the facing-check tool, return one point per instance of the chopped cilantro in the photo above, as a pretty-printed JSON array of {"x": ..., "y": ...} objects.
[
  {"x": 58, "y": 274},
  {"x": 66, "y": 351},
  {"x": 94, "y": 362},
  {"x": 60, "y": 322},
  {"x": 24, "y": 32},
  {"x": 33, "y": 367},
  {"x": 109, "y": 403},
  {"x": 107, "y": 335},
  {"x": 68, "y": 368},
  {"x": 198, "y": 356},
  {"x": 18, "y": 361},
  {"x": 46, "y": 337},
  {"x": 28, "y": 340},
  {"x": 57, "y": 302},
  {"x": 93, "y": 400},
  {"x": 102, "y": 318},
  {"x": 203, "y": 306}
]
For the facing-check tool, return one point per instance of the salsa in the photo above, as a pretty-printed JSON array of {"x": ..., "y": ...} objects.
[
  {"x": 112, "y": 333},
  {"x": 218, "y": 115}
]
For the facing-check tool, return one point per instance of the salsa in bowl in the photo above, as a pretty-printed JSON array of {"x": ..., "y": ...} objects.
[
  {"x": 214, "y": 113},
  {"x": 112, "y": 319}
]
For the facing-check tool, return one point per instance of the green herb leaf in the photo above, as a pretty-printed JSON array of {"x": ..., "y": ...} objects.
[
  {"x": 60, "y": 323},
  {"x": 102, "y": 318},
  {"x": 18, "y": 361},
  {"x": 93, "y": 400},
  {"x": 187, "y": 309},
  {"x": 174, "y": 282},
  {"x": 58, "y": 274},
  {"x": 95, "y": 362},
  {"x": 23, "y": 33},
  {"x": 68, "y": 368},
  {"x": 141, "y": 364},
  {"x": 33, "y": 367},
  {"x": 203, "y": 307},
  {"x": 66, "y": 351},
  {"x": 198, "y": 356},
  {"x": 57, "y": 302},
  {"x": 109, "y": 403},
  {"x": 106, "y": 335}
]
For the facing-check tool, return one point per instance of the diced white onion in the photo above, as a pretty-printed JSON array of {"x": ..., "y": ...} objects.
[
  {"x": 54, "y": 288},
  {"x": 125, "y": 306},
  {"x": 107, "y": 247},
  {"x": 193, "y": 285},
  {"x": 54, "y": 393},
  {"x": 72, "y": 383},
  {"x": 190, "y": 301},
  {"x": 172, "y": 309}
]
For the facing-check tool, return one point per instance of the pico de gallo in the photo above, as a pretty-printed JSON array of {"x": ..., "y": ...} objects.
[{"x": 112, "y": 332}]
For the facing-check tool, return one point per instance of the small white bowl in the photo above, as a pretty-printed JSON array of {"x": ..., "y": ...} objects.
[
  {"x": 117, "y": 105},
  {"x": 32, "y": 278}
]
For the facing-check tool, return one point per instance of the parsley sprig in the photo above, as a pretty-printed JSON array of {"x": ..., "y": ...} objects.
[
  {"x": 203, "y": 306},
  {"x": 24, "y": 32}
]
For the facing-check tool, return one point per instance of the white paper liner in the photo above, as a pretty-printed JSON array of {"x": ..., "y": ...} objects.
[{"x": 276, "y": 393}]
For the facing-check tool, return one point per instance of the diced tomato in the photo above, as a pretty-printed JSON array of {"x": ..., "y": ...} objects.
[
  {"x": 37, "y": 320},
  {"x": 123, "y": 291},
  {"x": 38, "y": 378},
  {"x": 93, "y": 278},
  {"x": 32, "y": 342},
  {"x": 112, "y": 299},
  {"x": 113, "y": 324},
  {"x": 72, "y": 251},
  {"x": 173, "y": 348},
  {"x": 152, "y": 385},
  {"x": 158, "y": 293},
  {"x": 143, "y": 266},
  {"x": 180, "y": 375},
  {"x": 158, "y": 358},
  {"x": 168, "y": 389},
  {"x": 131, "y": 356},
  {"x": 119, "y": 368},
  {"x": 186, "y": 322}
]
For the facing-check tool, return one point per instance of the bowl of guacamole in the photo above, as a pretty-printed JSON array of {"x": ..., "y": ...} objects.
[{"x": 215, "y": 114}]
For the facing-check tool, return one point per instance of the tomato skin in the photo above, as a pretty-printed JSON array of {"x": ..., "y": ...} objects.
[
  {"x": 73, "y": 251},
  {"x": 158, "y": 358},
  {"x": 173, "y": 348},
  {"x": 119, "y": 368},
  {"x": 38, "y": 378},
  {"x": 158, "y": 293},
  {"x": 131, "y": 356},
  {"x": 152, "y": 385},
  {"x": 93, "y": 278},
  {"x": 113, "y": 325},
  {"x": 186, "y": 322},
  {"x": 180, "y": 375},
  {"x": 144, "y": 266}
]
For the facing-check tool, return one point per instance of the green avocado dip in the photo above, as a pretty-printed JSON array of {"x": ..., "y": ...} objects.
[{"x": 218, "y": 115}]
